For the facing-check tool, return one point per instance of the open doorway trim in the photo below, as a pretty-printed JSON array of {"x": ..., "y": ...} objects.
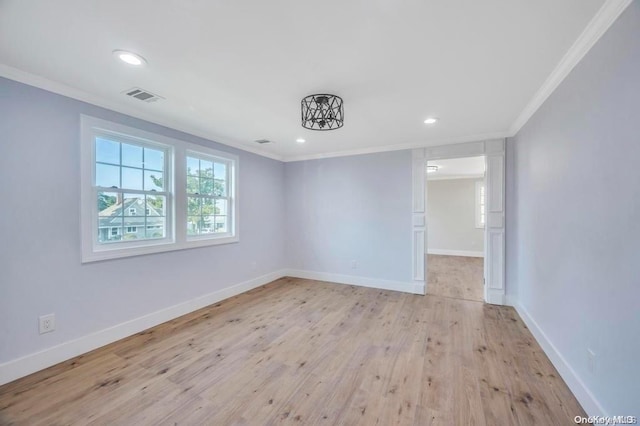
[{"x": 494, "y": 152}]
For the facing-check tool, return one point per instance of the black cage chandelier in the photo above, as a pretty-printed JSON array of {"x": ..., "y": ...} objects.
[{"x": 322, "y": 112}]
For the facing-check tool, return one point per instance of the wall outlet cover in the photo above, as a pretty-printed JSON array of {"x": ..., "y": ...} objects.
[{"x": 47, "y": 323}]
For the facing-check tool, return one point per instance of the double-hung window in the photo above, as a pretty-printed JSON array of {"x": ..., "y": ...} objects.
[
  {"x": 208, "y": 200},
  {"x": 144, "y": 193},
  {"x": 131, "y": 178}
]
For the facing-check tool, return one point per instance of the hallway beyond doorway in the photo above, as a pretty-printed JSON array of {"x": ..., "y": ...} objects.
[{"x": 455, "y": 276}]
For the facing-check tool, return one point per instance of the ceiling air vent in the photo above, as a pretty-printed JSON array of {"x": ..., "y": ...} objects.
[
  {"x": 263, "y": 141},
  {"x": 142, "y": 95}
]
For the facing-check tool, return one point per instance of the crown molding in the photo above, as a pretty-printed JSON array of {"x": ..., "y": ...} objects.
[
  {"x": 600, "y": 23},
  {"x": 604, "y": 18},
  {"x": 80, "y": 95},
  {"x": 40, "y": 82},
  {"x": 400, "y": 147}
]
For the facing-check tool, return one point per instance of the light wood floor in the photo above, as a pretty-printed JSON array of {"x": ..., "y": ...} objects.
[
  {"x": 306, "y": 352},
  {"x": 455, "y": 276}
]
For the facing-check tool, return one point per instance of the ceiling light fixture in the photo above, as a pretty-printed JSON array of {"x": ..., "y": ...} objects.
[
  {"x": 129, "y": 57},
  {"x": 322, "y": 112},
  {"x": 300, "y": 140},
  {"x": 431, "y": 120},
  {"x": 432, "y": 169}
]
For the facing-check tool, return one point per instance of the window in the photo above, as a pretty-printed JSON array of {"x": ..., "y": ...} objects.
[
  {"x": 129, "y": 175},
  {"x": 207, "y": 195},
  {"x": 480, "y": 205},
  {"x": 131, "y": 181}
]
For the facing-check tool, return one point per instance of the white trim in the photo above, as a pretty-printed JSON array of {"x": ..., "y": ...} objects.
[
  {"x": 600, "y": 23},
  {"x": 494, "y": 297},
  {"x": 405, "y": 287},
  {"x": 419, "y": 219},
  {"x": 37, "y": 361},
  {"x": 38, "y": 81},
  {"x": 494, "y": 258},
  {"x": 176, "y": 198},
  {"x": 231, "y": 197},
  {"x": 401, "y": 147},
  {"x": 445, "y": 252},
  {"x": 495, "y": 231},
  {"x": 480, "y": 204},
  {"x": 71, "y": 92},
  {"x": 31, "y": 363},
  {"x": 584, "y": 396}
]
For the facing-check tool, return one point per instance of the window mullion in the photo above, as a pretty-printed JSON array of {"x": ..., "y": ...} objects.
[
  {"x": 107, "y": 206},
  {"x": 131, "y": 191},
  {"x": 180, "y": 195}
]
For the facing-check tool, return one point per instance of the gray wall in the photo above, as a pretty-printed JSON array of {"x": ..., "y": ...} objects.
[
  {"x": 574, "y": 217},
  {"x": 40, "y": 269},
  {"x": 451, "y": 216},
  {"x": 351, "y": 208}
]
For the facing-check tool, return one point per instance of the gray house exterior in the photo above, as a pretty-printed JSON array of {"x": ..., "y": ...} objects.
[{"x": 130, "y": 219}]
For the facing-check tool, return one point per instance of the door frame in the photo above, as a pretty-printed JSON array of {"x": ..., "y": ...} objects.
[{"x": 494, "y": 152}]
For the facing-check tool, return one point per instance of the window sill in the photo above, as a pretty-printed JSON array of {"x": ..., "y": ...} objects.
[{"x": 161, "y": 247}]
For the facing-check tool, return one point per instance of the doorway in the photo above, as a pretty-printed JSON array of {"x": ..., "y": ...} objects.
[
  {"x": 455, "y": 197},
  {"x": 493, "y": 151}
]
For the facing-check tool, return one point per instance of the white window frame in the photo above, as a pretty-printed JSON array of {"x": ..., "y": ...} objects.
[
  {"x": 175, "y": 193},
  {"x": 230, "y": 190},
  {"x": 479, "y": 205}
]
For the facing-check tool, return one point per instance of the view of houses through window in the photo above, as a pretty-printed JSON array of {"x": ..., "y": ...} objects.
[
  {"x": 126, "y": 215},
  {"x": 146, "y": 193},
  {"x": 131, "y": 199}
]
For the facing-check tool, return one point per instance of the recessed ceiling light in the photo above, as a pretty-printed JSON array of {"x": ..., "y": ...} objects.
[
  {"x": 300, "y": 140},
  {"x": 129, "y": 57},
  {"x": 431, "y": 120},
  {"x": 432, "y": 169}
]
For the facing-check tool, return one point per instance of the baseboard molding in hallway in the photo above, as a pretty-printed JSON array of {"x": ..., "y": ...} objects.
[{"x": 568, "y": 374}]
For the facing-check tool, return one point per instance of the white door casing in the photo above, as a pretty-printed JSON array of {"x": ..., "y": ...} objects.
[
  {"x": 494, "y": 153},
  {"x": 419, "y": 220},
  {"x": 495, "y": 223}
]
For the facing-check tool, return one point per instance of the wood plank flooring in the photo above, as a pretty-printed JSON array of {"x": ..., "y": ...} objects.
[
  {"x": 455, "y": 276},
  {"x": 306, "y": 352}
]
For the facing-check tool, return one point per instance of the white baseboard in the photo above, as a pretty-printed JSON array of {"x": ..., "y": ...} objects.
[
  {"x": 568, "y": 374},
  {"x": 31, "y": 363},
  {"x": 495, "y": 297},
  {"x": 444, "y": 252},
  {"x": 415, "y": 287}
]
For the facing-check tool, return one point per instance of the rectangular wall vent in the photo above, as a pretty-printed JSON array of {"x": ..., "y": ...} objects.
[
  {"x": 141, "y": 94},
  {"x": 263, "y": 141}
]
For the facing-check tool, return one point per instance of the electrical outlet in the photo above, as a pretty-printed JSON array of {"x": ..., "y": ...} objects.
[
  {"x": 354, "y": 264},
  {"x": 47, "y": 323},
  {"x": 591, "y": 361}
]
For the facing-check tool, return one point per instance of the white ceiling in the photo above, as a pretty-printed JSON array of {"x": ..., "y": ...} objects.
[
  {"x": 457, "y": 168},
  {"x": 235, "y": 71}
]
